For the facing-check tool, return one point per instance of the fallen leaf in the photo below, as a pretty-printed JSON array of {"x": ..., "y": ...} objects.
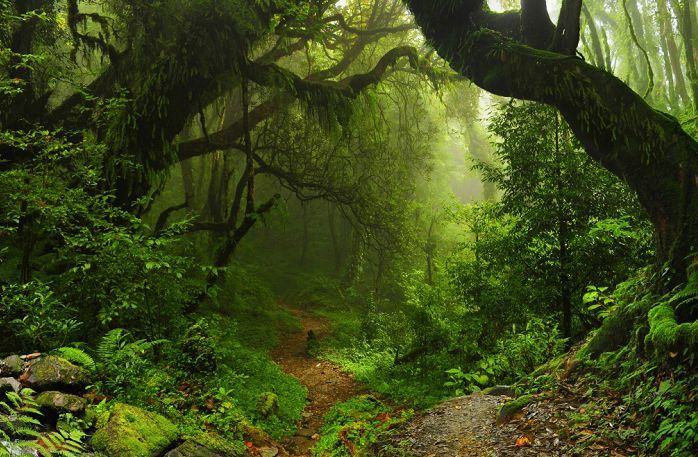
[{"x": 523, "y": 442}]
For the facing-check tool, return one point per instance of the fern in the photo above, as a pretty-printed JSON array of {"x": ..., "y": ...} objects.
[
  {"x": 688, "y": 296},
  {"x": 111, "y": 343},
  {"x": 65, "y": 443},
  {"x": 18, "y": 419},
  {"x": 122, "y": 359},
  {"x": 77, "y": 356}
]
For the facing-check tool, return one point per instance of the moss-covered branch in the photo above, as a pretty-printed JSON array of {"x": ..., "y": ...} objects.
[{"x": 666, "y": 335}]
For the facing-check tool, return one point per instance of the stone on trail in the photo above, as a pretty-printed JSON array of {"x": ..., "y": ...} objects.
[{"x": 134, "y": 432}]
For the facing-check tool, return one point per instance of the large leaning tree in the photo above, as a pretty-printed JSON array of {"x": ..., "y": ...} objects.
[{"x": 523, "y": 54}]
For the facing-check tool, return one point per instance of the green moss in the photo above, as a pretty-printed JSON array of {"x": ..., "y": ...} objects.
[
  {"x": 666, "y": 334},
  {"x": 510, "y": 408},
  {"x": 134, "y": 432}
]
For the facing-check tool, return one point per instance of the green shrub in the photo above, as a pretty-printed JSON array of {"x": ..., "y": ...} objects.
[
  {"x": 34, "y": 319},
  {"x": 351, "y": 426}
]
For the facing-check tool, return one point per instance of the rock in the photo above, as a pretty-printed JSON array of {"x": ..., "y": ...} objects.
[
  {"x": 495, "y": 391},
  {"x": 134, "y": 432},
  {"x": 192, "y": 449},
  {"x": 55, "y": 402},
  {"x": 15, "y": 450},
  {"x": 510, "y": 408},
  {"x": 11, "y": 366},
  {"x": 55, "y": 373},
  {"x": 9, "y": 384}
]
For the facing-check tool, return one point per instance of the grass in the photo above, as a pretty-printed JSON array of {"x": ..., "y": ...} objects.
[{"x": 418, "y": 384}]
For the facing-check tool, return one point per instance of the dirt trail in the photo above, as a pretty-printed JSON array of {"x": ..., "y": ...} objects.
[{"x": 326, "y": 383}]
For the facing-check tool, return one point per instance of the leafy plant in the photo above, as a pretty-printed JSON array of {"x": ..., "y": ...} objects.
[
  {"x": 600, "y": 301},
  {"x": 35, "y": 316},
  {"x": 121, "y": 360}
]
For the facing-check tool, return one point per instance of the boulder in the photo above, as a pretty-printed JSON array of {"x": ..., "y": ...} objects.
[
  {"x": 55, "y": 373},
  {"x": 54, "y": 403},
  {"x": 11, "y": 366},
  {"x": 134, "y": 432},
  {"x": 9, "y": 384}
]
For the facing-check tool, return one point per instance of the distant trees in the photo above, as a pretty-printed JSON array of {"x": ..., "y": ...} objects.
[
  {"x": 575, "y": 224},
  {"x": 522, "y": 54},
  {"x": 209, "y": 91}
]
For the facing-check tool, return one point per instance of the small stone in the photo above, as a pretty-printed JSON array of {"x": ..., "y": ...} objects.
[
  {"x": 192, "y": 449},
  {"x": 9, "y": 384},
  {"x": 268, "y": 452},
  {"x": 315, "y": 437},
  {"x": 11, "y": 366}
]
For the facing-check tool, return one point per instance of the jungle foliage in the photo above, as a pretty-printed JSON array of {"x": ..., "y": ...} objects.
[{"x": 465, "y": 189}]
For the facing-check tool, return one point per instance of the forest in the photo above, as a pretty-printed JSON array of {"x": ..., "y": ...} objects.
[{"x": 346, "y": 228}]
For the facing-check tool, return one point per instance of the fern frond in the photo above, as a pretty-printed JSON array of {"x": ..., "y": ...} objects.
[
  {"x": 77, "y": 356},
  {"x": 111, "y": 343}
]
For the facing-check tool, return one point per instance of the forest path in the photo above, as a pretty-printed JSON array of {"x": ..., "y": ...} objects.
[{"x": 327, "y": 384}]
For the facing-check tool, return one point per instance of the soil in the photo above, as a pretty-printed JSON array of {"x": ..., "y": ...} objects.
[
  {"x": 466, "y": 427},
  {"x": 327, "y": 384}
]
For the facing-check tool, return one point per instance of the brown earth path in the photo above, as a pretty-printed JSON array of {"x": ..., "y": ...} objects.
[{"x": 327, "y": 384}]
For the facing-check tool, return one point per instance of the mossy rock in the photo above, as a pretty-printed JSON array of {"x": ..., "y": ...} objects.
[
  {"x": 11, "y": 366},
  {"x": 192, "y": 449},
  {"x": 510, "y": 408},
  {"x": 221, "y": 445},
  {"x": 55, "y": 373},
  {"x": 54, "y": 403},
  {"x": 495, "y": 391},
  {"x": 134, "y": 432},
  {"x": 209, "y": 445}
]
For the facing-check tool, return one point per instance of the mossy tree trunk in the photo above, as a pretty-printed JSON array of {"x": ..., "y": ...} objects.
[{"x": 644, "y": 147}]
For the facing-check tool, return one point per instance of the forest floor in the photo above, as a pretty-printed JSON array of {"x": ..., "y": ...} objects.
[
  {"x": 327, "y": 384},
  {"x": 460, "y": 427}
]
